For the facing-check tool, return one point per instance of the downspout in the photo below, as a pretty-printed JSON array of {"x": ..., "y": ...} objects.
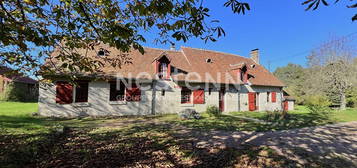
[
  {"x": 153, "y": 99},
  {"x": 239, "y": 89}
]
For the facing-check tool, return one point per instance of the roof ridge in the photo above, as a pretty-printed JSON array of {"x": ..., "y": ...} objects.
[
  {"x": 161, "y": 49},
  {"x": 221, "y": 52}
]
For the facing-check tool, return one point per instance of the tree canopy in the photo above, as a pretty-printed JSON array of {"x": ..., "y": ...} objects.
[
  {"x": 331, "y": 73},
  {"x": 30, "y": 29}
]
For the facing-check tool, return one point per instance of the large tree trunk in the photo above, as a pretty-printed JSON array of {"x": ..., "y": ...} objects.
[{"x": 343, "y": 101}]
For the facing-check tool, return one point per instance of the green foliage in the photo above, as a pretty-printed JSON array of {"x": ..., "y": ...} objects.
[
  {"x": 351, "y": 97},
  {"x": 294, "y": 77},
  {"x": 275, "y": 115},
  {"x": 213, "y": 111},
  {"x": 17, "y": 92},
  {"x": 314, "y": 4},
  {"x": 32, "y": 28},
  {"x": 318, "y": 105},
  {"x": 318, "y": 100}
]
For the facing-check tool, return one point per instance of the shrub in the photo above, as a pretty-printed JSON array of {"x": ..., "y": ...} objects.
[
  {"x": 275, "y": 115},
  {"x": 17, "y": 92},
  {"x": 318, "y": 105},
  {"x": 189, "y": 114},
  {"x": 213, "y": 111},
  {"x": 317, "y": 100},
  {"x": 351, "y": 97}
]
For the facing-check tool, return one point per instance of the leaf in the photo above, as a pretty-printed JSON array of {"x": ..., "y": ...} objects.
[
  {"x": 352, "y": 6},
  {"x": 324, "y": 2},
  {"x": 247, "y": 6},
  {"x": 311, "y": 4}
]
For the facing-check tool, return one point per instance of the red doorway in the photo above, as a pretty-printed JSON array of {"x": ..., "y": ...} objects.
[
  {"x": 222, "y": 92},
  {"x": 286, "y": 105},
  {"x": 252, "y": 101}
]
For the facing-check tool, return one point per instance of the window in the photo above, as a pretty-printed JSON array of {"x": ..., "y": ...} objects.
[
  {"x": 241, "y": 73},
  {"x": 268, "y": 96},
  {"x": 185, "y": 95},
  {"x": 64, "y": 92},
  {"x": 81, "y": 92},
  {"x": 101, "y": 53},
  {"x": 117, "y": 93},
  {"x": 163, "y": 71},
  {"x": 199, "y": 96},
  {"x": 163, "y": 68},
  {"x": 133, "y": 93},
  {"x": 273, "y": 97}
]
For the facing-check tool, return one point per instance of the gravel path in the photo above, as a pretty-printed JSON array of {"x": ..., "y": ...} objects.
[
  {"x": 325, "y": 142},
  {"x": 330, "y": 143}
]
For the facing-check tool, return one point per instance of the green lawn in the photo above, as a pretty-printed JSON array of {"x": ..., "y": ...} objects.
[
  {"x": 31, "y": 141},
  {"x": 347, "y": 115}
]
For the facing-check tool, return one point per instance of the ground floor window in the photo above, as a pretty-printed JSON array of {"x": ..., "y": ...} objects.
[
  {"x": 117, "y": 92},
  {"x": 185, "y": 95},
  {"x": 122, "y": 92},
  {"x": 81, "y": 92}
]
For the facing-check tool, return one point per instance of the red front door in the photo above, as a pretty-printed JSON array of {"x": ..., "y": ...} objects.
[
  {"x": 251, "y": 101},
  {"x": 222, "y": 92},
  {"x": 286, "y": 105}
]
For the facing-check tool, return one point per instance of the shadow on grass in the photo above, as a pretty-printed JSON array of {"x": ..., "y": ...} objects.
[
  {"x": 232, "y": 123},
  {"x": 139, "y": 145}
]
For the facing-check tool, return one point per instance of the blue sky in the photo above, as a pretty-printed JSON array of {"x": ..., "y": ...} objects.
[{"x": 283, "y": 31}]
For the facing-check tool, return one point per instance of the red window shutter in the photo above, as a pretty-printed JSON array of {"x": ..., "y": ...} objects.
[
  {"x": 273, "y": 97},
  {"x": 156, "y": 65},
  {"x": 168, "y": 71},
  {"x": 133, "y": 93},
  {"x": 199, "y": 96},
  {"x": 251, "y": 101},
  {"x": 64, "y": 91}
]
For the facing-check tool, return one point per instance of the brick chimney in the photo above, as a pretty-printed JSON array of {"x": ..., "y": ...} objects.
[
  {"x": 172, "y": 47},
  {"x": 254, "y": 55}
]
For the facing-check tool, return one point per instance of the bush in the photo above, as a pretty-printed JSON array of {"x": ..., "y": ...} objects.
[
  {"x": 276, "y": 115},
  {"x": 189, "y": 114},
  {"x": 213, "y": 111},
  {"x": 317, "y": 100},
  {"x": 17, "y": 92},
  {"x": 351, "y": 97},
  {"x": 318, "y": 105}
]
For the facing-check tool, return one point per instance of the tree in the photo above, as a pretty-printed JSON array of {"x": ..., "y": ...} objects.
[
  {"x": 314, "y": 4},
  {"x": 30, "y": 29},
  {"x": 331, "y": 67},
  {"x": 293, "y": 77}
]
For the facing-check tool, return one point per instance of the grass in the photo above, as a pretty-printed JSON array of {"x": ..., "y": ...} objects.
[
  {"x": 347, "y": 115},
  {"x": 30, "y": 141}
]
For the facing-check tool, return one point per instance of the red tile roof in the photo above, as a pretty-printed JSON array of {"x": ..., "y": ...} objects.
[{"x": 190, "y": 60}]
